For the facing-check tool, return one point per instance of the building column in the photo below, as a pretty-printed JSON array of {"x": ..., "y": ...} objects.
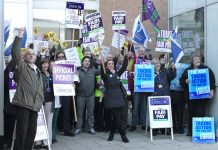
[{"x": 1, "y": 72}]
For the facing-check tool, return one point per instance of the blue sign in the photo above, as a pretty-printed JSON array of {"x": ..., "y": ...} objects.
[
  {"x": 199, "y": 84},
  {"x": 144, "y": 78},
  {"x": 203, "y": 130},
  {"x": 175, "y": 84}
]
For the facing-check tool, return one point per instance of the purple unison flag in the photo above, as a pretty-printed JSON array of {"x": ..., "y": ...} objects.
[
  {"x": 149, "y": 11},
  {"x": 177, "y": 51}
]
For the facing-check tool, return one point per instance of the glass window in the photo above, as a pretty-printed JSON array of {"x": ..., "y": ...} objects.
[
  {"x": 190, "y": 32},
  {"x": 212, "y": 38},
  {"x": 211, "y": 1},
  {"x": 180, "y": 6}
]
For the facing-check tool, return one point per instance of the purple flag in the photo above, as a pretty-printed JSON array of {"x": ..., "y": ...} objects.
[{"x": 149, "y": 11}]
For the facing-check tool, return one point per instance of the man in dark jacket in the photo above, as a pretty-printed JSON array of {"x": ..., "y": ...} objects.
[
  {"x": 85, "y": 94},
  {"x": 29, "y": 97},
  {"x": 197, "y": 107}
]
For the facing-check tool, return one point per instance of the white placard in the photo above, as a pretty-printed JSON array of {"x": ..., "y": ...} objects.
[{"x": 160, "y": 115}]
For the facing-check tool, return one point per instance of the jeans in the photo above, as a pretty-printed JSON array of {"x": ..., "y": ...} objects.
[
  {"x": 89, "y": 102},
  {"x": 139, "y": 109}
]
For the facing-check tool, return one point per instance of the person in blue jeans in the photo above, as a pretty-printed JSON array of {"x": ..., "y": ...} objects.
[{"x": 140, "y": 99}]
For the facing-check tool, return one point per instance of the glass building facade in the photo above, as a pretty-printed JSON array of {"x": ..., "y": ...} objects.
[{"x": 197, "y": 23}]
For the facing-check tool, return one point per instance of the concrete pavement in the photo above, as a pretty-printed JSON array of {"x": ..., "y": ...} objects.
[{"x": 138, "y": 141}]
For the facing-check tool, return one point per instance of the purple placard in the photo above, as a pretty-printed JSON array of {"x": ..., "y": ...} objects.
[
  {"x": 11, "y": 82},
  {"x": 63, "y": 73},
  {"x": 160, "y": 101},
  {"x": 74, "y": 5},
  {"x": 94, "y": 24}
]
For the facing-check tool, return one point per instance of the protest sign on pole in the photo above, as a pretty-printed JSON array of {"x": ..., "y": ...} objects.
[
  {"x": 119, "y": 38},
  {"x": 94, "y": 24},
  {"x": 72, "y": 54},
  {"x": 199, "y": 84},
  {"x": 74, "y": 15},
  {"x": 105, "y": 51},
  {"x": 118, "y": 20},
  {"x": 175, "y": 83},
  {"x": 11, "y": 84},
  {"x": 163, "y": 43},
  {"x": 144, "y": 78},
  {"x": 160, "y": 114},
  {"x": 41, "y": 47},
  {"x": 63, "y": 79},
  {"x": 124, "y": 80},
  {"x": 139, "y": 34},
  {"x": 203, "y": 130}
]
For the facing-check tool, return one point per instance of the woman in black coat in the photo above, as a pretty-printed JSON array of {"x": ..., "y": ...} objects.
[
  {"x": 197, "y": 107},
  {"x": 114, "y": 97}
]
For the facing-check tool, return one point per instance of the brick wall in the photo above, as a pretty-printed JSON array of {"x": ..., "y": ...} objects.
[{"x": 133, "y": 9}]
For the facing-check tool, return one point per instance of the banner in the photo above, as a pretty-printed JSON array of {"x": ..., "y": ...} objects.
[
  {"x": 149, "y": 11},
  {"x": 42, "y": 47},
  {"x": 163, "y": 41},
  {"x": 11, "y": 84},
  {"x": 175, "y": 83},
  {"x": 72, "y": 54},
  {"x": 160, "y": 114},
  {"x": 119, "y": 36},
  {"x": 63, "y": 79},
  {"x": 144, "y": 78},
  {"x": 118, "y": 20},
  {"x": 124, "y": 80},
  {"x": 94, "y": 24},
  {"x": 74, "y": 15},
  {"x": 139, "y": 34},
  {"x": 203, "y": 130},
  {"x": 199, "y": 84}
]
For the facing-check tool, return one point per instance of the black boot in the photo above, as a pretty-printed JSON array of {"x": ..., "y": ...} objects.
[
  {"x": 124, "y": 139},
  {"x": 111, "y": 137}
]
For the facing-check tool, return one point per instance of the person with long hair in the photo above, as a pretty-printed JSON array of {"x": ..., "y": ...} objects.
[{"x": 114, "y": 97}]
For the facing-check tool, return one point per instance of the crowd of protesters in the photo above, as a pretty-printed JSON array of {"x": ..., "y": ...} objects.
[{"x": 101, "y": 100}]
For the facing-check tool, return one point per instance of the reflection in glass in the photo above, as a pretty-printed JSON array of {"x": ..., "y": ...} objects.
[{"x": 190, "y": 33}]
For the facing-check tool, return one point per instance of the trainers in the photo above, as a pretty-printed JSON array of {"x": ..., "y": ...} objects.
[
  {"x": 92, "y": 131},
  {"x": 77, "y": 131},
  {"x": 132, "y": 128}
]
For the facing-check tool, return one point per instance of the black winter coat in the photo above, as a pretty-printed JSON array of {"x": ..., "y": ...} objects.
[
  {"x": 164, "y": 78},
  {"x": 114, "y": 96}
]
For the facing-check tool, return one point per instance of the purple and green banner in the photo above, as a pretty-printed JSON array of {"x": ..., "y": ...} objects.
[
  {"x": 118, "y": 20},
  {"x": 149, "y": 11}
]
